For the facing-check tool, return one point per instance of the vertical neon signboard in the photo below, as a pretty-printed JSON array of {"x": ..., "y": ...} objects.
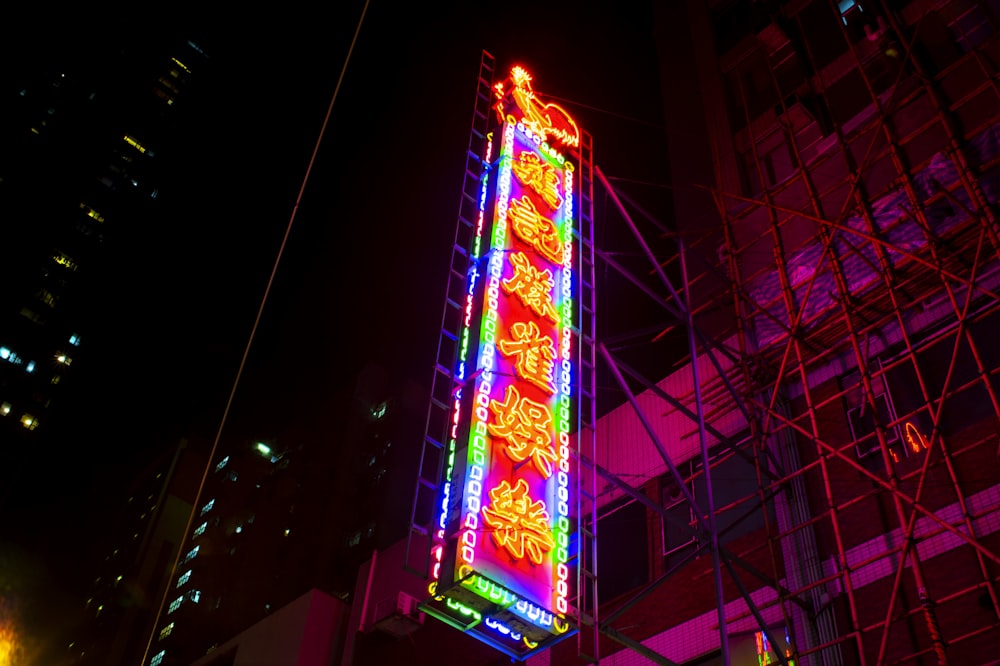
[{"x": 505, "y": 555}]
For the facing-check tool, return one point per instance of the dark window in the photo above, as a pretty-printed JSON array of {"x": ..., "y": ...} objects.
[
  {"x": 737, "y": 504},
  {"x": 969, "y": 405},
  {"x": 824, "y": 37},
  {"x": 969, "y": 24},
  {"x": 622, "y": 548}
]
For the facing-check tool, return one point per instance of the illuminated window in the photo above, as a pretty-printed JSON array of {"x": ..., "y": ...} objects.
[
  {"x": 91, "y": 213},
  {"x": 191, "y": 554},
  {"x": 30, "y": 367},
  {"x": 184, "y": 577},
  {"x": 163, "y": 95},
  {"x": 135, "y": 144},
  {"x": 64, "y": 260},
  {"x": 29, "y": 421},
  {"x": 157, "y": 658},
  {"x": 5, "y": 408},
  {"x": 55, "y": 379},
  {"x": 208, "y": 507},
  {"x": 47, "y": 297},
  {"x": 263, "y": 449},
  {"x": 31, "y": 315},
  {"x": 194, "y": 595},
  {"x": 379, "y": 411},
  {"x": 166, "y": 631},
  {"x": 62, "y": 358},
  {"x": 74, "y": 340},
  {"x": 175, "y": 604},
  {"x": 6, "y": 353},
  {"x": 168, "y": 85},
  {"x": 222, "y": 463},
  {"x": 198, "y": 531}
]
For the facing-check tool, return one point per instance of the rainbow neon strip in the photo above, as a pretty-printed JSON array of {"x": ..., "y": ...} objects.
[{"x": 503, "y": 559}]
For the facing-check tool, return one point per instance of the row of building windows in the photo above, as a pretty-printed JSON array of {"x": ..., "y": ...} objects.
[{"x": 191, "y": 595}]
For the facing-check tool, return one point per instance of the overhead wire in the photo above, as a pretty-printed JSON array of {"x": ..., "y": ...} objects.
[{"x": 253, "y": 330}]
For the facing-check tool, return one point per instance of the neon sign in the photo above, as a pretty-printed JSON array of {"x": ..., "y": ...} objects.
[{"x": 504, "y": 558}]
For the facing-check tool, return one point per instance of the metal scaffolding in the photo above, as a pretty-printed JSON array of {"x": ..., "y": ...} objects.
[{"x": 837, "y": 321}]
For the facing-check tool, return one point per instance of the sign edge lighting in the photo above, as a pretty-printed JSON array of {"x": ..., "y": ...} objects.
[{"x": 504, "y": 555}]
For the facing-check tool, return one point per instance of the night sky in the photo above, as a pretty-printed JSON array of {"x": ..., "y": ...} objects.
[{"x": 363, "y": 271}]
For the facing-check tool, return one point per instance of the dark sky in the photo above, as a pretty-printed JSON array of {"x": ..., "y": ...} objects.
[{"x": 363, "y": 271}]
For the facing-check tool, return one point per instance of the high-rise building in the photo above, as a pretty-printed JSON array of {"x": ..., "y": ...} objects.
[
  {"x": 137, "y": 557},
  {"x": 818, "y": 482},
  {"x": 285, "y": 517},
  {"x": 80, "y": 164},
  {"x": 377, "y": 468},
  {"x": 87, "y": 123}
]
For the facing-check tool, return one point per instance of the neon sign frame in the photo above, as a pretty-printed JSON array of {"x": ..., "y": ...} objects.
[{"x": 504, "y": 561}]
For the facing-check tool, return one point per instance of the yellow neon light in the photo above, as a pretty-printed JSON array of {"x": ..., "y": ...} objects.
[
  {"x": 181, "y": 65},
  {"x": 534, "y": 354},
  {"x": 545, "y": 120},
  {"x": 520, "y": 524},
  {"x": 916, "y": 441},
  {"x": 535, "y": 229},
  {"x": 540, "y": 177},
  {"x": 524, "y": 423},
  {"x": 532, "y": 286}
]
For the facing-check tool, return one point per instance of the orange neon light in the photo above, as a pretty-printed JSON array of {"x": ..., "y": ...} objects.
[
  {"x": 916, "y": 441},
  {"x": 540, "y": 177},
  {"x": 532, "y": 286},
  {"x": 535, "y": 354},
  {"x": 535, "y": 229},
  {"x": 520, "y": 524},
  {"x": 524, "y": 423},
  {"x": 549, "y": 121}
]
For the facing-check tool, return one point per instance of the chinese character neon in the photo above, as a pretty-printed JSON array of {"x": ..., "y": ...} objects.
[
  {"x": 520, "y": 524},
  {"x": 532, "y": 286},
  {"x": 540, "y": 177},
  {"x": 534, "y": 352},
  {"x": 535, "y": 229},
  {"x": 524, "y": 423}
]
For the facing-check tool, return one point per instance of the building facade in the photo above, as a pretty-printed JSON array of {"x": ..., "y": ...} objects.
[
  {"x": 816, "y": 483},
  {"x": 136, "y": 558},
  {"x": 80, "y": 164},
  {"x": 281, "y": 518}
]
